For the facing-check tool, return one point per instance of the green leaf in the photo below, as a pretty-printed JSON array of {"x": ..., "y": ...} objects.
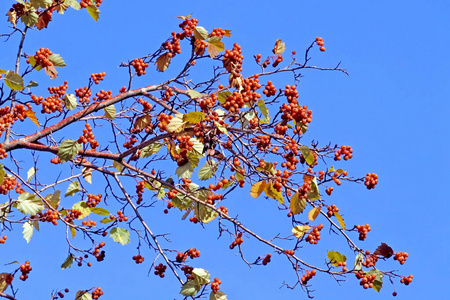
[
  {"x": 106, "y": 220},
  {"x": 185, "y": 171},
  {"x": 150, "y": 149},
  {"x": 68, "y": 150},
  {"x": 200, "y": 33},
  {"x": 297, "y": 204},
  {"x": 194, "y": 117},
  {"x": 340, "y": 219},
  {"x": 83, "y": 295},
  {"x": 14, "y": 81},
  {"x": 307, "y": 154},
  {"x": 118, "y": 165},
  {"x": 182, "y": 202},
  {"x": 68, "y": 262},
  {"x": 378, "y": 283},
  {"x": 93, "y": 11},
  {"x": 204, "y": 213},
  {"x": 201, "y": 276},
  {"x": 32, "y": 84},
  {"x": 99, "y": 211},
  {"x": 120, "y": 235},
  {"x": 208, "y": 170},
  {"x": 218, "y": 296},
  {"x": 271, "y": 192},
  {"x": 32, "y": 62},
  {"x": 336, "y": 257},
  {"x": 110, "y": 112},
  {"x": 223, "y": 96},
  {"x": 53, "y": 199},
  {"x": 222, "y": 128},
  {"x": 194, "y": 94},
  {"x": 314, "y": 193},
  {"x": 30, "y": 18},
  {"x": 262, "y": 107},
  {"x": 73, "y": 188},
  {"x": 176, "y": 124},
  {"x": 216, "y": 42},
  {"x": 161, "y": 193},
  {"x": 57, "y": 60},
  {"x": 2, "y": 174},
  {"x": 83, "y": 208},
  {"x": 27, "y": 231},
  {"x": 70, "y": 101},
  {"x": 358, "y": 261},
  {"x": 190, "y": 288},
  {"x": 29, "y": 204},
  {"x": 30, "y": 173},
  {"x": 73, "y": 231}
]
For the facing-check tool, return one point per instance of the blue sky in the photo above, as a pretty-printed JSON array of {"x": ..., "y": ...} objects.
[{"x": 392, "y": 109}]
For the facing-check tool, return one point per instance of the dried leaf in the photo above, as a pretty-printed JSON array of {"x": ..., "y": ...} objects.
[
  {"x": 12, "y": 17},
  {"x": 162, "y": 63},
  {"x": 279, "y": 47},
  {"x": 30, "y": 114},
  {"x": 43, "y": 20},
  {"x": 51, "y": 71},
  {"x": 384, "y": 250}
]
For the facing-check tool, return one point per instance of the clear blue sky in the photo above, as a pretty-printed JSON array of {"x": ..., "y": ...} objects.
[{"x": 393, "y": 110}]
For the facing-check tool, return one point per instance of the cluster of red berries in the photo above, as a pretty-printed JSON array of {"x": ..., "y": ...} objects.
[
  {"x": 83, "y": 94},
  {"x": 164, "y": 120},
  {"x": 345, "y": 151},
  {"x": 219, "y": 32},
  {"x": 293, "y": 111},
  {"x": 129, "y": 144},
  {"x": 234, "y": 102},
  {"x": 71, "y": 215},
  {"x": 61, "y": 294},
  {"x": 88, "y": 137},
  {"x": 55, "y": 160},
  {"x": 99, "y": 255},
  {"x": 172, "y": 194},
  {"x": 362, "y": 230},
  {"x": 319, "y": 42},
  {"x": 160, "y": 269},
  {"x": 224, "y": 210},
  {"x": 269, "y": 89},
  {"x": 25, "y": 269},
  {"x": 237, "y": 241},
  {"x": 305, "y": 278},
  {"x": 232, "y": 60},
  {"x": 314, "y": 236},
  {"x": 3, "y": 239},
  {"x": 41, "y": 58},
  {"x": 167, "y": 94},
  {"x": 368, "y": 280},
  {"x": 138, "y": 259},
  {"x": 188, "y": 25},
  {"x": 49, "y": 216},
  {"x": 289, "y": 252},
  {"x": 89, "y": 223},
  {"x": 146, "y": 105},
  {"x": 120, "y": 216},
  {"x": 266, "y": 259},
  {"x": 188, "y": 272},
  {"x": 3, "y": 153},
  {"x": 219, "y": 185},
  {"x": 401, "y": 257},
  {"x": 371, "y": 260},
  {"x": 173, "y": 46},
  {"x": 85, "y": 3},
  {"x": 329, "y": 190},
  {"x": 277, "y": 61},
  {"x": 102, "y": 95},
  {"x": 93, "y": 200},
  {"x": 304, "y": 189},
  {"x": 181, "y": 256},
  {"x": 8, "y": 184},
  {"x": 97, "y": 77},
  {"x": 331, "y": 210},
  {"x": 97, "y": 293},
  {"x": 200, "y": 46},
  {"x": 371, "y": 180},
  {"x": 19, "y": 8},
  {"x": 215, "y": 285},
  {"x": 139, "y": 66},
  {"x": 140, "y": 191},
  {"x": 9, "y": 117},
  {"x": 343, "y": 264},
  {"x": 213, "y": 198},
  {"x": 406, "y": 280}
]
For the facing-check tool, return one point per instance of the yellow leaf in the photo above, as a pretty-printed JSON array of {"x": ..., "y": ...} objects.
[
  {"x": 162, "y": 63},
  {"x": 258, "y": 188},
  {"x": 273, "y": 193},
  {"x": 297, "y": 205},
  {"x": 300, "y": 230},
  {"x": 12, "y": 17},
  {"x": 313, "y": 213},
  {"x": 172, "y": 149},
  {"x": 142, "y": 122},
  {"x": 340, "y": 219},
  {"x": 184, "y": 17},
  {"x": 30, "y": 114},
  {"x": 279, "y": 47}
]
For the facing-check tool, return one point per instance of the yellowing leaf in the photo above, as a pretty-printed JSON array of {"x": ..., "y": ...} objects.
[
  {"x": 340, "y": 219},
  {"x": 12, "y": 17},
  {"x": 3, "y": 278},
  {"x": 215, "y": 45},
  {"x": 93, "y": 11},
  {"x": 30, "y": 18},
  {"x": 162, "y": 63},
  {"x": 68, "y": 150},
  {"x": 297, "y": 204},
  {"x": 74, "y": 187},
  {"x": 83, "y": 208},
  {"x": 271, "y": 192},
  {"x": 190, "y": 288},
  {"x": 279, "y": 47},
  {"x": 222, "y": 128},
  {"x": 176, "y": 124},
  {"x": 14, "y": 81},
  {"x": 68, "y": 262},
  {"x": 87, "y": 174},
  {"x": 30, "y": 173},
  {"x": 201, "y": 276},
  {"x": 309, "y": 157},
  {"x": 218, "y": 296},
  {"x": 194, "y": 117},
  {"x": 141, "y": 122},
  {"x": 184, "y": 17},
  {"x": 30, "y": 114},
  {"x": 200, "y": 33},
  {"x": 57, "y": 60},
  {"x": 258, "y": 188},
  {"x": 27, "y": 231},
  {"x": 336, "y": 257},
  {"x": 70, "y": 101},
  {"x": 313, "y": 213},
  {"x": 300, "y": 230},
  {"x": 120, "y": 235}
]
